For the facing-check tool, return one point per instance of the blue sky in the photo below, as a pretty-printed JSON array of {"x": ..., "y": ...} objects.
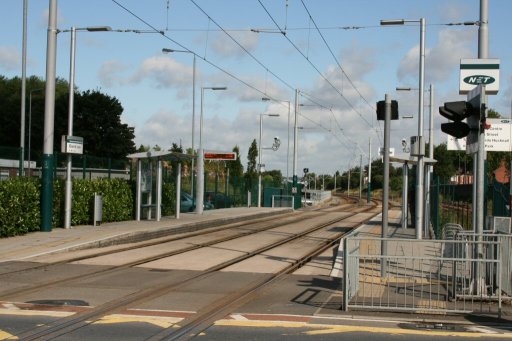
[{"x": 341, "y": 69}]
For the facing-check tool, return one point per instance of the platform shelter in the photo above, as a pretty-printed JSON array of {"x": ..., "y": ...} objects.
[{"x": 149, "y": 181}]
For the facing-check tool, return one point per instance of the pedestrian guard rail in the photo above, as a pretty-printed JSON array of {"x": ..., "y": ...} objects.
[{"x": 466, "y": 273}]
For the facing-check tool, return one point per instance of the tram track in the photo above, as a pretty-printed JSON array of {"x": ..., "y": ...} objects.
[
  {"x": 246, "y": 229},
  {"x": 66, "y": 325}
]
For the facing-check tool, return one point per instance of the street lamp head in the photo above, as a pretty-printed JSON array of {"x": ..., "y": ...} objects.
[
  {"x": 273, "y": 115},
  {"x": 392, "y": 22},
  {"x": 165, "y": 50},
  {"x": 218, "y": 88},
  {"x": 403, "y": 88},
  {"x": 265, "y": 99},
  {"x": 98, "y": 28}
]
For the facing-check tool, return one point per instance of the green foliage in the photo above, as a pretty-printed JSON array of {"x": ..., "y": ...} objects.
[
  {"x": 446, "y": 161},
  {"x": 236, "y": 169},
  {"x": 252, "y": 172},
  {"x": 20, "y": 203},
  {"x": 168, "y": 199},
  {"x": 97, "y": 118},
  {"x": 273, "y": 177},
  {"x": 116, "y": 195},
  {"x": 19, "y": 206}
]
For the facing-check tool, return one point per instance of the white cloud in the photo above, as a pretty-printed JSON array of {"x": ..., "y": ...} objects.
[
  {"x": 442, "y": 60},
  {"x": 9, "y": 58},
  {"x": 110, "y": 72},
  {"x": 224, "y": 46},
  {"x": 164, "y": 72}
]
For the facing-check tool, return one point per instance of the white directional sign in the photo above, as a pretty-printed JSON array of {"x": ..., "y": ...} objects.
[
  {"x": 381, "y": 153},
  {"x": 498, "y": 138},
  {"x": 72, "y": 144}
]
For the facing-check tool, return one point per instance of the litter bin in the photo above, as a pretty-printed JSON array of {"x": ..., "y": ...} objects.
[{"x": 98, "y": 209}]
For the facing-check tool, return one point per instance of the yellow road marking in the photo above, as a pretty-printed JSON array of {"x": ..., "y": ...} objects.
[
  {"x": 322, "y": 329},
  {"x": 160, "y": 321},
  {"x": 36, "y": 313},
  {"x": 6, "y": 335}
]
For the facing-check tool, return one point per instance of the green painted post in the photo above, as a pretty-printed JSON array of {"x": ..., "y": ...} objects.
[
  {"x": 438, "y": 208},
  {"x": 84, "y": 166},
  {"x": 297, "y": 195},
  {"x": 109, "y": 160},
  {"x": 47, "y": 193}
]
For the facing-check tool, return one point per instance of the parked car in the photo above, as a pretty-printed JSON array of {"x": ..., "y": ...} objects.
[
  {"x": 218, "y": 200},
  {"x": 187, "y": 203}
]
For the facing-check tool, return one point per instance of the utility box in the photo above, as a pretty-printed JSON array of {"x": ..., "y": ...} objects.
[
  {"x": 98, "y": 209},
  {"x": 499, "y": 224},
  {"x": 417, "y": 146}
]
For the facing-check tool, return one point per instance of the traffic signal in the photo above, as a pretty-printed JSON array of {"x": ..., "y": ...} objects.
[
  {"x": 381, "y": 110},
  {"x": 458, "y": 111}
]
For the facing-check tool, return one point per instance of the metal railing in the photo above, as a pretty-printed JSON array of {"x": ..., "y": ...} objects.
[
  {"x": 463, "y": 275},
  {"x": 283, "y": 201}
]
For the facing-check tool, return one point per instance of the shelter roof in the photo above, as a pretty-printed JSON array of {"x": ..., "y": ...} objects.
[{"x": 161, "y": 155}]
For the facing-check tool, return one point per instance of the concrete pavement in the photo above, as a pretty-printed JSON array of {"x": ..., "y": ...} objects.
[{"x": 88, "y": 236}]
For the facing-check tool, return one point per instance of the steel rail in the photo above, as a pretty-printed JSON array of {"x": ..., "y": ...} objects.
[
  {"x": 223, "y": 307},
  {"x": 79, "y": 320},
  {"x": 151, "y": 242},
  {"x": 113, "y": 269}
]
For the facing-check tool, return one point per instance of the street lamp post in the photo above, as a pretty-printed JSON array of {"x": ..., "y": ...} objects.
[
  {"x": 164, "y": 50},
  {"x": 200, "y": 155},
  {"x": 428, "y": 167},
  {"x": 259, "y": 155},
  {"x": 30, "y": 129},
  {"x": 419, "y": 169},
  {"x": 69, "y": 184},
  {"x": 288, "y": 138},
  {"x": 23, "y": 90}
]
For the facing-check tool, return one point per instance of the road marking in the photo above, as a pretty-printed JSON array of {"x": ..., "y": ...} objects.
[
  {"x": 23, "y": 312},
  {"x": 10, "y": 306},
  {"x": 323, "y": 329},
  {"x": 160, "y": 321},
  {"x": 6, "y": 335}
]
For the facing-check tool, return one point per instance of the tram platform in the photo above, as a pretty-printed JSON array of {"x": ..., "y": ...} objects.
[{"x": 88, "y": 236}]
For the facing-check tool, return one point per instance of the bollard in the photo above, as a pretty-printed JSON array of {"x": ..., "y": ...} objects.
[{"x": 98, "y": 209}]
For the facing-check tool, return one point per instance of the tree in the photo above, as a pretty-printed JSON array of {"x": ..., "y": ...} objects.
[
  {"x": 273, "y": 176},
  {"x": 446, "y": 161},
  {"x": 98, "y": 121},
  {"x": 97, "y": 118},
  {"x": 175, "y": 148},
  {"x": 236, "y": 169},
  {"x": 252, "y": 154},
  {"x": 10, "y": 104}
]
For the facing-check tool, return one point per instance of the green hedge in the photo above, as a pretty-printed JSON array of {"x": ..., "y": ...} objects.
[
  {"x": 20, "y": 203},
  {"x": 19, "y": 206}
]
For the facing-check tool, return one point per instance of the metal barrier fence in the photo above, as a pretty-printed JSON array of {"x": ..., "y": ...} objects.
[
  {"x": 463, "y": 275},
  {"x": 283, "y": 201}
]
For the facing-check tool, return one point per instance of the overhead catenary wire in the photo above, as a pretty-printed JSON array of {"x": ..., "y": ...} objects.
[
  {"x": 244, "y": 49},
  {"x": 206, "y": 60},
  {"x": 315, "y": 67},
  {"x": 311, "y": 19}
]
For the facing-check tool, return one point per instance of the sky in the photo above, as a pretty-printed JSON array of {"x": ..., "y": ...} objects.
[{"x": 330, "y": 57}]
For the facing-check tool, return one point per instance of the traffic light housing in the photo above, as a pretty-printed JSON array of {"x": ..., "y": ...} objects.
[
  {"x": 458, "y": 111},
  {"x": 381, "y": 110}
]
